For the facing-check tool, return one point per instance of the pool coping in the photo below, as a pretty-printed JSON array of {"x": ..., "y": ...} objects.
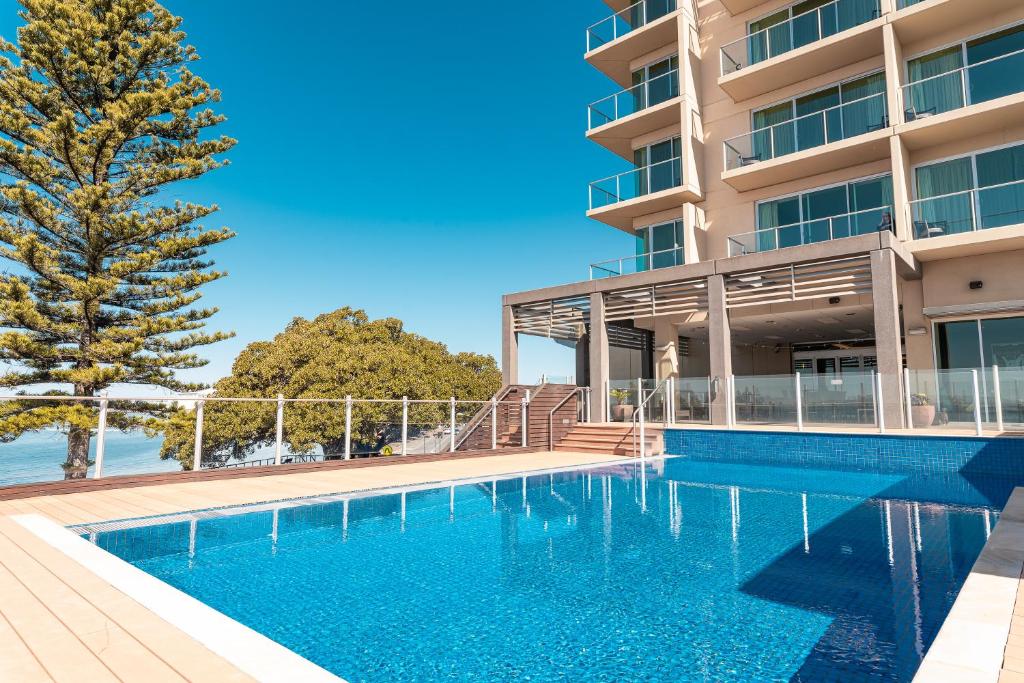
[{"x": 971, "y": 644}]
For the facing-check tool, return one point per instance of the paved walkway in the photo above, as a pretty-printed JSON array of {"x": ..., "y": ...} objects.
[{"x": 60, "y": 622}]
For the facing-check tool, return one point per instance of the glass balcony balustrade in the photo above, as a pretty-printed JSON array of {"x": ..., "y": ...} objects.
[
  {"x": 802, "y": 29},
  {"x": 637, "y": 263},
  {"x": 632, "y": 100},
  {"x": 979, "y": 82},
  {"x": 627, "y": 21},
  {"x": 641, "y": 181},
  {"x": 806, "y": 132},
  {"x": 811, "y": 231},
  {"x": 978, "y": 209}
]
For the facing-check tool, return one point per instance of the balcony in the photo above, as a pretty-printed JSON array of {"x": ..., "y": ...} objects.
[
  {"x": 811, "y": 232},
  {"x": 969, "y": 211},
  {"x": 618, "y": 199},
  {"x": 825, "y": 39},
  {"x": 848, "y": 134},
  {"x": 615, "y": 120},
  {"x": 980, "y": 98},
  {"x": 918, "y": 19},
  {"x": 614, "y": 42},
  {"x": 637, "y": 263}
]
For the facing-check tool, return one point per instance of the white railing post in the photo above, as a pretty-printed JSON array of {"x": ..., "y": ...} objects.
[
  {"x": 639, "y": 391},
  {"x": 197, "y": 454},
  {"x": 101, "y": 438},
  {"x": 908, "y": 397},
  {"x": 451, "y": 417},
  {"x": 405, "y": 425},
  {"x": 997, "y": 395},
  {"x": 522, "y": 420},
  {"x": 348, "y": 427},
  {"x": 670, "y": 400},
  {"x": 607, "y": 400},
  {"x": 643, "y": 444},
  {"x": 977, "y": 402},
  {"x": 279, "y": 442},
  {"x": 879, "y": 401},
  {"x": 494, "y": 422},
  {"x": 799, "y": 405}
]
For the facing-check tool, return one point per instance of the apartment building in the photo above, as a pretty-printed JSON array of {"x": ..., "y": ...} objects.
[{"x": 823, "y": 187}]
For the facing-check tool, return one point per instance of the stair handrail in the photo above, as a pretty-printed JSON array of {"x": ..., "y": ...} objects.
[
  {"x": 478, "y": 419},
  {"x": 551, "y": 415},
  {"x": 638, "y": 417}
]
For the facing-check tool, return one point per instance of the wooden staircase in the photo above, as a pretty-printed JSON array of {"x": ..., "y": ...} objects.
[
  {"x": 545, "y": 399},
  {"x": 612, "y": 439},
  {"x": 476, "y": 435}
]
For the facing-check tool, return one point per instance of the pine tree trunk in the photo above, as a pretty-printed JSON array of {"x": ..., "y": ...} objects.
[{"x": 77, "y": 464}]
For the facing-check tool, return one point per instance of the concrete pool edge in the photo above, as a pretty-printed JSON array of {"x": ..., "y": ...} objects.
[
  {"x": 250, "y": 651},
  {"x": 972, "y": 643}
]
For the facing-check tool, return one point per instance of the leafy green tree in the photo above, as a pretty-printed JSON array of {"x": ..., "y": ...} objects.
[
  {"x": 99, "y": 115},
  {"x": 336, "y": 354}
]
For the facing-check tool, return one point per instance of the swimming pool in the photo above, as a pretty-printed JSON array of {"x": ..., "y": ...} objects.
[{"x": 683, "y": 571}]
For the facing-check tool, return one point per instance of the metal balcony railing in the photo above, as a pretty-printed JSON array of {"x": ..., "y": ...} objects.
[
  {"x": 631, "y": 100},
  {"x": 637, "y": 263},
  {"x": 627, "y": 21},
  {"x": 641, "y": 181},
  {"x": 843, "y": 121},
  {"x": 980, "y": 82},
  {"x": 809, "y": 232},
  {"x": 978, "y": 209},
  {"x": 803, "y": 29}
]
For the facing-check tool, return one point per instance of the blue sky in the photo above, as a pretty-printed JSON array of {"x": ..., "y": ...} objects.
[{"x": 412, "y": 159}]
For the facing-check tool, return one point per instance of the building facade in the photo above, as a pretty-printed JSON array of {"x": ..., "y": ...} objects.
[{"x": 816, "y": 187}]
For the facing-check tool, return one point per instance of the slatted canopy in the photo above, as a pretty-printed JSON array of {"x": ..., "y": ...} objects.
[
  {"x": 565, "y": 319},
  {"x": 670, "y": 298},
  {"x": 799, "y": 282}
]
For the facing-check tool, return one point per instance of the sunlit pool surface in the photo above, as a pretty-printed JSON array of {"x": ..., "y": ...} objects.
[{"x": 689, "y": 572}]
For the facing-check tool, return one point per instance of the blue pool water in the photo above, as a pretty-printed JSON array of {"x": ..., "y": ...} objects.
[{"x": 690, "y": 571}]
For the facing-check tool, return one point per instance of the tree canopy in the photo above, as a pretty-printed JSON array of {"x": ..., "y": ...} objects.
[
  {"x": 334, "y": 355},
  {"x": 99, "y": 116}
]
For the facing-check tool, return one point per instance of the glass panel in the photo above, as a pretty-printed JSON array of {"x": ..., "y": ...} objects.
[
  {"x": 958, "y": 345},
  {"x": 943, "y": 215},
  {"x": 1000, "y": 166},
  {"x": 766, "y": 399},
  {"x": 691, "y": 402},
  {"x": 941, "y": 397},
  {"x": 811, "y": 130},
  {"x": 1011, "y": 390},
  {"x": 939, "y": 93},
  {"x": 776, "y": 40},
  {"x": 830, "y": 398},
  {"x": 622, "y": 399},
  {"x": 776, "y": 141},
  {"x": 663, "y": 244}
]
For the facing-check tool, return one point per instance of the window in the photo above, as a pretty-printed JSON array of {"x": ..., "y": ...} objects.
[
  {"x": 804, "y": 23},
  {"x": 659, "y": 164},
  {"x": 974, "y": 71},
  {"x": 855, "y": 208},
  {"x": 659, "y": 246},
  {"x": 658, "y": 83},
  {"x": 835, "y": 113},
  {"x": 977, "y": 192}
]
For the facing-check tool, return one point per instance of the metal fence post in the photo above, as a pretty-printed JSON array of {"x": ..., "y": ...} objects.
[
  {"x": 494, "y": 422},
  {"x": 452, "y": 420},
  {"x": 348, "y": 427},
  {"x": 880, "y": 403},
  {"x": 977, "y": 403},
  {"x": 405, "y": 425},
  {"x": 197, "y": 455},
  {"x": 522, "y": 420},
  {"x": 607, "y": 400},
  {"x": 997, "y": 395},
  {"x": 799, "y": 405},
  {"x": 909, "y": 398},
  {"x": 279, "y": 442},
  {"x": 101, "y": 438},
  {"x": 643, "y": 444}
]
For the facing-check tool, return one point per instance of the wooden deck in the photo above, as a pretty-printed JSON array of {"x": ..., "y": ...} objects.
[{"x": 60, "y": 622}]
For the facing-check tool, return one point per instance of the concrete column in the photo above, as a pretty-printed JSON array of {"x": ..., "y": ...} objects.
[
  {"x": 893, "y": 74},
  {"x": 720, "y": 347},
  {"x": 690, "y": 122},
  {"x": 509, "y": 347},
  {"x": 889, "y": 346},
  {"x": 598, "y": 358},
  {"x": 902, "y": 194},
  {"x": 666, "y": 351}
]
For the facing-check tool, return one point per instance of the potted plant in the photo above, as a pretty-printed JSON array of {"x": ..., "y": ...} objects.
[
  {"x": 621, "y": 411},
  {"x": 922, "y": 410}
]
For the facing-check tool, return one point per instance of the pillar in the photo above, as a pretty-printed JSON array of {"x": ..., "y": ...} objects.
[
  {"x": 598, "y": 358},
  {"x": 666, "y": 348},
  {"x": 888, "y": 342},
  {"x": 509, "y": 347},
  {"x": 720, "y": 348}
]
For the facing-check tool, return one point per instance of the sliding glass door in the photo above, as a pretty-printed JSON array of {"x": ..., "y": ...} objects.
[
  {"x": 655, "y": 83},
  {"x": 981, "y": 344},
  {"x": 659, "y": 246},
  {"x": 660, "y": 164}
]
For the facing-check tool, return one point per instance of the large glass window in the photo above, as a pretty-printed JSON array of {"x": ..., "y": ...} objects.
[
  {"x": 976, "y": 70},
  {"x": 659, "y": 246},
  {"x": 968, "y": 193},
  {"x": 655, "y": 83},
  {"x": 660, "y": 167},
  {"x": 982, "y": 344},
  {"x": 855, "y": 208},
  {"x": 804, "y": 23},
  {"x": 834, "y": 113}
]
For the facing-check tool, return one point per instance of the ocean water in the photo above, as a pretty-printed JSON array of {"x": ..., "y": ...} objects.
[
  {"x": 683, "y": 571},
  {"x": 38, "y": 456}
]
